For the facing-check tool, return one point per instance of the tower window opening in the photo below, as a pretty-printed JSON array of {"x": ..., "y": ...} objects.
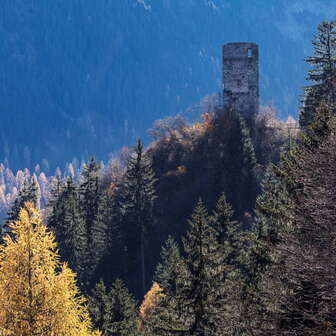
[{"x": 249, "y": 52}]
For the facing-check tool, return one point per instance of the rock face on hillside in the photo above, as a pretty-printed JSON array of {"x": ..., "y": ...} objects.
[{"x": 86, "y": 77}]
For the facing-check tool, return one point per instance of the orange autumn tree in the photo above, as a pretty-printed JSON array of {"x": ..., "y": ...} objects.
[
  {"x": 38, "y": 294},
  {"x": 150, "y": 302}
]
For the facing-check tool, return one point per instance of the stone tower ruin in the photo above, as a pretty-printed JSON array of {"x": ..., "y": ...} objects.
[{"x": 241, "y": 77}]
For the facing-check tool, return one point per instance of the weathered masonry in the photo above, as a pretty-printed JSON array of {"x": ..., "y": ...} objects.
[{"x": 241, "y": 77}]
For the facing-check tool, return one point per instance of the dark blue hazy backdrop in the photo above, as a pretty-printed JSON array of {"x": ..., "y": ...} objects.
[{"x": 83, "y": 77}]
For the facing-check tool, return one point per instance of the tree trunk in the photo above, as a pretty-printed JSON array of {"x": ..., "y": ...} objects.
[{"x": 142, "y": 256}]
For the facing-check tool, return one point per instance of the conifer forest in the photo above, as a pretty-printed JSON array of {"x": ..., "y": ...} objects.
[{"x": 223, "y": 226}]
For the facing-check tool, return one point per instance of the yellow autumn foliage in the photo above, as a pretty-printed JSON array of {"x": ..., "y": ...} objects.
[
  {"x": 38, "y": 294},
  {"x": 149, "y": 303}
]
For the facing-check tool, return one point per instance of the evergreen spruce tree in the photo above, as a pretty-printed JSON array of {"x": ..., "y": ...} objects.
[
  {"x": 90, "y": 193},
  {"x": 99, "y": 307},
  {"x": 274, "y": 214},
  {"x": 167, "y": 271},
  {"x": 138, "y": 195},
  {"x": 203, "y": 295},
  {"x": 319, "y": 128},
  {"x": 66, "y": 220},
  {"x": 239, "y": 163},
  {"x": 228, "y": 269},
  {"x": 29, "y": 193},
  {"x": 99, "y": 232},
  {"x": 93, "y": 206},
  {"x": 167, "y": 318},
  {"x": 322, "y": 73},
  {"x": 123, "y": 311},
  {"x": 228, "y": 231},
  {"x": 249, "y": 158}
]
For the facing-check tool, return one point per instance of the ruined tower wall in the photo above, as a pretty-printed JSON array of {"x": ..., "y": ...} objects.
[{"x": 241, "y": 77}]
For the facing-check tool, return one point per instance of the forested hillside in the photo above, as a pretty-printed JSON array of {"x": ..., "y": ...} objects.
[{"x": 221, "y": 227}]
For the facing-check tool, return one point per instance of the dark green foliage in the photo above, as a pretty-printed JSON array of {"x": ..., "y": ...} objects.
[
  {"x": 273, "y": 215},
  {"x": 122, "y": 313},
  {"x": 99, "y": 307},
  {"x": 99, "y": 232},
  {"x": 167, "y": 318},
  {"x": 228, "y": 231},
  {"x": 304, "y": 272},
  {"x": 167, "y": 271},
  {"x": 94, "y": 209},
  {"x": 248, "y": 154},
  {"x": 229, "y": 267},
  {"x": 203, "y": 297},
  {"x": 67, "y": 222},
  {"x": 89, "y": 193},
  {"x": 29, "y": 192},
  {"x": 320, "y": 126},
  {"x": 80, "y": 221},
  {"x": 220, "y": 157},
  {"x": 322, "y": 72},
  {"x": 138, "y": 194},
  {"x": 113, "y": 313}
]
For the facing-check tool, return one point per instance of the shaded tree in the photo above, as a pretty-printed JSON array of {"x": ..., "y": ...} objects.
[{"x": 138, "y": 194}]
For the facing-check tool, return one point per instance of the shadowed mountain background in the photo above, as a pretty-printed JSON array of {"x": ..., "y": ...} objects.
[{"x": 87, "y": 77}]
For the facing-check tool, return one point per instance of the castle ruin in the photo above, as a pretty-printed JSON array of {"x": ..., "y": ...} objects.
[{"x": 241, "y": 77}]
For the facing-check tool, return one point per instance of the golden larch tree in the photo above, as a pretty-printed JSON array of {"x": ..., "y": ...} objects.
[
  {"x": 38, "y": 294},
  {"x": 149, "y": 304}
]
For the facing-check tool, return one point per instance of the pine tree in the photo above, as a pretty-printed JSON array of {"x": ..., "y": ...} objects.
[
  {"x": 99, "y": 307},
  {"x": 300, "y": 284},
  {"x": 230, "y": 250},
  {"x": 203, "y": 299},
  {"x": 122, "y": 313},
  {"x": 93, "y": 206},
  {"x": 99, "y": 232},
  {"x": 227, "y": 231},
  {"x": 167, "y": 271},
  {"x": 322, "y": 73},
  {"x": 274, "y": 213},
  {"x": 319, "y": 128},
  {"x": 167, "y": 318},
  {"x": 38, "y": 294},
  {"x": 66, "y": 220},
  {"x": 28, "y": 193},
  {"x": 138, "y": 195},
  {"x": 90, "y": 193}
]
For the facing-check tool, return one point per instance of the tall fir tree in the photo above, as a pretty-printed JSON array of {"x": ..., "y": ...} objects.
[
  {"x": 320, "y": 127},
  {"x": 274, "y": 213},
  {"x": 123, "y": 311},
  {"x": 99, "y": 307},
  {"x": 228, "y": 271},
  {"x": 203, "y": 296},
  {"x": 167, "y": 270},
  {"x": 167, "y": 318},
  {"x": 138, "y": 194},
  {"x": 67, "y": 221},
  {"x": 322, "y": 73},
  {"x": 93, "y": 205},
  {"x": 228, "y": 231}
]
